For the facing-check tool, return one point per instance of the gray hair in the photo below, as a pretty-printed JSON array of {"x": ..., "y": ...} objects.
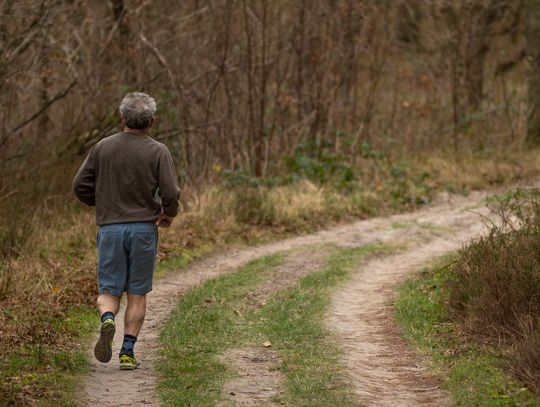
[{"x": 137, "y": 109}]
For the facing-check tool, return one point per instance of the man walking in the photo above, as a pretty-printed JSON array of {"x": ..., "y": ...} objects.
[{"x": 130, "y": 179}]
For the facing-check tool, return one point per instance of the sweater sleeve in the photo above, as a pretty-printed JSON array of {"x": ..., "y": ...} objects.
[
  {"x": 168, "y": 189},
  {"x": 84, "y": 184}
]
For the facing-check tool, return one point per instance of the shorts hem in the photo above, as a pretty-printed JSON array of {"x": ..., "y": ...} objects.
[
  {"x": 139, "y": 292},
  {"x": 111, "y": 292}
]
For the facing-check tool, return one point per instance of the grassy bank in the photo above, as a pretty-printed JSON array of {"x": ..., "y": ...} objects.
[
  {"x": 495, "y": 295},
  {"x": 479, "y": 318},
  {"x": 219, "y": 315},
  {"x": 48, "y": 374},
  {"x": 47, "y": 263},
  {"x": 473, "y": 373}
]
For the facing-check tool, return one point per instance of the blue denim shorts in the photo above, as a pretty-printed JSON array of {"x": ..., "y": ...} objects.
[{"x": 126, "y": 257}]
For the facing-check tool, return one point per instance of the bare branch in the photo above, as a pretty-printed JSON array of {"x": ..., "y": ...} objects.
[{"x": 43, "y": 108}]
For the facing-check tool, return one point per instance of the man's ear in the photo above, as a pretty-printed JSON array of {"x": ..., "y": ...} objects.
[
  {"x": 123, "y": 121},
  {"x": 151, "y": 122}
]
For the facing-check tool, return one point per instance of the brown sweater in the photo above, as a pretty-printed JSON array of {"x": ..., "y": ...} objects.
[{"x": 128, "y": 177}]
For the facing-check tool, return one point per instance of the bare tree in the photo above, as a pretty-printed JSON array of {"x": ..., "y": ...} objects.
[
  {"x": 240, "y": 83},
  {"x": 533, "y": 79},
  {"x": 409, "y": 20}
]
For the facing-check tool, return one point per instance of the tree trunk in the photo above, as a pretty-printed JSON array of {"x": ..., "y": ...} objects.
[
  {"x": 475, "y": 51},
  {"x": 409, "y": 18},
  {"x": 533, "y": 79}
]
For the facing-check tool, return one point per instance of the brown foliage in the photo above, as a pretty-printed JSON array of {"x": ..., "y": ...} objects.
[
  {"x": 496, "y": 292},
  {"x": 242, "y": 84}
]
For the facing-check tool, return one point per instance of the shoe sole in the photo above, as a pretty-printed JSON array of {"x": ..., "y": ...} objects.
[
  {"x": 103, "y": 348},
  {"x": 130, "y": 366}
]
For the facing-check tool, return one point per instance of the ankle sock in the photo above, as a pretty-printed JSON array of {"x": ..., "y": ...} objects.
[
  {"x": 107, "y": 315},
  {"x": 128, "y": 345}
]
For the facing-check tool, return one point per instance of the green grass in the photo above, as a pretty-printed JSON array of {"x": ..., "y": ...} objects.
[
  {"x": 472, "y": 374},
  {"x": 217, "y": 316},
  {"x": 49, "y": 375},
  {"x": 180, "y": 261},
  {"x": 293, "y": 321},
  {"x": 206, "y": 321}
]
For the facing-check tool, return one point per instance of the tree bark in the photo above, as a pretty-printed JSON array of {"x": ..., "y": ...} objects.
[
  {"x": 533, "y": 79},
  {"x": 476, "y": 48},
  {"x": 409, "y": 18}
]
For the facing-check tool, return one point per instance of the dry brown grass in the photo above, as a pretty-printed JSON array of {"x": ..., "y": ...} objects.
[
  {"x": 52, "y": 270},
  {"x": 525, "y": 360}
]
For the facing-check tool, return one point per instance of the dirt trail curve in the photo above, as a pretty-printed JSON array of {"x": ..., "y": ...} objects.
[
  {"x": 384, "y": 370},
  {"x": 446, "y": 224}
]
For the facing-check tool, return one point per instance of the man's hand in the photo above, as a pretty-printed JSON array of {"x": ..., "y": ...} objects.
[{"x": 163, "y": 221}]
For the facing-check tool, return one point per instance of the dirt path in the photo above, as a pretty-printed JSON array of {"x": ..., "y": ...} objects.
[
  {"x": 448, "y": 222},
  {"x": 259, "y": 379},
  {"x": 384, "y": 371}
]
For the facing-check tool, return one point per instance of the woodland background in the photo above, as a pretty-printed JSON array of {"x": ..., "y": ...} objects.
[
  {"x": 282, "y": 116},
  {"x": 241, "y": 85}
]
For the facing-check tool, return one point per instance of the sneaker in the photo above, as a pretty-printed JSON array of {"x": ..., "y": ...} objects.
[
  {"x": 128, "y": 362},
  {"x": 103, "y": 348}
]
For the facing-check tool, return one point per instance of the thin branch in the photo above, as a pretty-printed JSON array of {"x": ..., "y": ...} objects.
[
  {"x": 161, "y": 59},
  {"x": 45, "y": 107}
]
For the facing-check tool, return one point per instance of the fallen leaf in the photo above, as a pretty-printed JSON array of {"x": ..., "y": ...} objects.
[{"x": 266, "y": 344}]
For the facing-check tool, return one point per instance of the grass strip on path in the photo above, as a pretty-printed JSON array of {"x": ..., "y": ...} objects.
[
  {"x": 473, "y": 375},
  {"x": 294, "y": 323},
  {"x": 218, "y": 316},
  {"x": 207, "y": 320}
]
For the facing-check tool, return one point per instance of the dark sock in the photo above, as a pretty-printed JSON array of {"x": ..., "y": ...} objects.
[
  {"x": 107, "y": 315},
  {"x": 128, "y": 345}
]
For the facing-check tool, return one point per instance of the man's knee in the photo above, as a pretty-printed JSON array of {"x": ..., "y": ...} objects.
[
  {"x": 109, "y": 301},
  {"x": 136, "y": 298},
  {"x": 137, "y": 303},
  {"x": 107, "y": 297}
]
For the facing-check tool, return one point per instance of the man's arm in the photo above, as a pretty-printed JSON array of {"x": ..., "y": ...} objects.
[
  {"x": 84, "y": 184},
  {"x": 168, "y": 188}
]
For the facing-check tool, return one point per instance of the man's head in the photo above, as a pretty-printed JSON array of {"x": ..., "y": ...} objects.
[{"x": 137, "y": 110}]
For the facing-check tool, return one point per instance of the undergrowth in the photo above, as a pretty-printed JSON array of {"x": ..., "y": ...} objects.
[
  {"x": 47, "y": 240},
  {"x": 495, "y": 293},
  {"x": 473, "y": 374},
  {"x": 46, "y": 374},
  {"x": 479, "y": 316}
]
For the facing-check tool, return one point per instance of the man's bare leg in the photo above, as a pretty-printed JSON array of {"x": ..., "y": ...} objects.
[
  {"x": 107, "y": 304},
  {"x": 133, "y": 321},
  {"x": 135, "y": 313}
]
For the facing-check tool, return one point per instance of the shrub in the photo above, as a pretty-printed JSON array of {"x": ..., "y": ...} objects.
[{"x": 496, "y": 287}]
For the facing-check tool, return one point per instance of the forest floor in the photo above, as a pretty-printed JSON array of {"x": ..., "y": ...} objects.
[{"x": 380, "y": 367}]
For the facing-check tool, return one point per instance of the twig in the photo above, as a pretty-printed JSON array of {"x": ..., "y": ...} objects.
[
  {"x": 161, "y": 59},
  {"x": 10, "y": 193},
  {"x": 44, "y": 107}
]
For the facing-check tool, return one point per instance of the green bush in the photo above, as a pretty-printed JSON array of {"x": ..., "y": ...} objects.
[{"x": 317, "y": 162}]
